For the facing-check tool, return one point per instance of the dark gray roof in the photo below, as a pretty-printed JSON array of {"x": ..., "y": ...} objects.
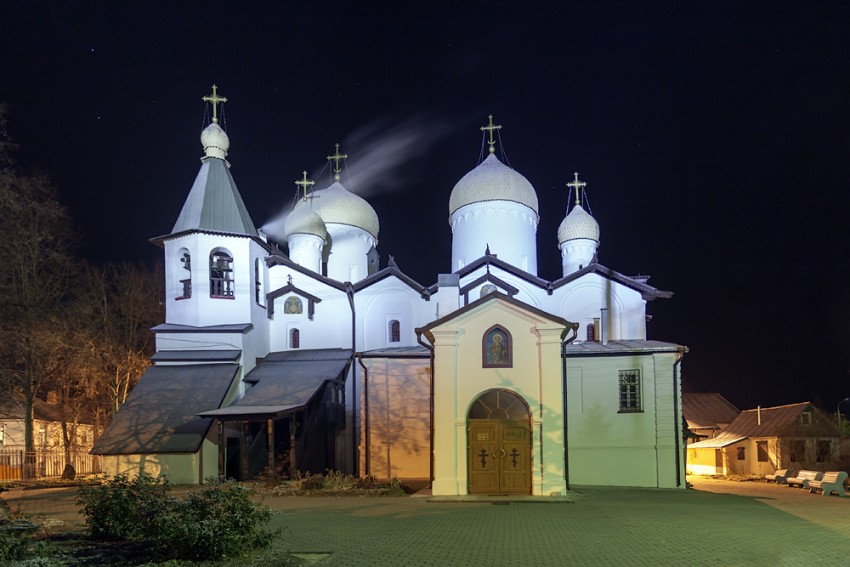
[
  {"x": 416, "y": 351},
  {"x": 214, "y": 203},
  {"x": 197, "y": 356},
  {"x": 392, "y": 271},
  {"x": 638, "y": 284},
  {"x": 286, "y": 381},
  {"x": 707, "y": 410},
  {"x": 160, "y": 414},
  {"x": 172, "y": 328},
  {"x": 588, "y": 348}
]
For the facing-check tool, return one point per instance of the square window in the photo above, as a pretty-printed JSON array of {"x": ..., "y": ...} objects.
[
  {"x": 629, "y": 382},
  {"x": 806, "y": 418}
]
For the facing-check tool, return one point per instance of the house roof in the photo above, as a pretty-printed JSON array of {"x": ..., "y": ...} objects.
[
  {"x": 760, "y": 422},
  {"x": 13, "y": 409},
  {"x": 595, "y": 348},
  {"x": 160, "y": 414},
  {"x": 197, "y": 355},
  {"x": 707, "y": 410},
  {"x": 285, "y": 381}
]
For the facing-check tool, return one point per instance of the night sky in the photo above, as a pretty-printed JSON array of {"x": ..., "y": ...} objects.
[{"x": 715, "y": 141}]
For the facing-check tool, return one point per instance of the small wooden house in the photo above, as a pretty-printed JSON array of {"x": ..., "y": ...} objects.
[{"x": 761, "y": 440}]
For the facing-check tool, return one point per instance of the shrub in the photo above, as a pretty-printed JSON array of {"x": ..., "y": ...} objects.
[
  {"x": 125, "y": 509},
  {"x": 15, "y": 538},
  {"x": 217, "y": 522}
]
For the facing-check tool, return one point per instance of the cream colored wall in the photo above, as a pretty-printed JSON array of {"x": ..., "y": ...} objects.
[
  {"x": 703, "y": 461},
  {"x": 180, "y": 469},
  {"x": 398, "y": 405},
  {"x": 460, "y": 379},
  {"x": 13, "y": 437},
  {"x": 624, "y": 449}
]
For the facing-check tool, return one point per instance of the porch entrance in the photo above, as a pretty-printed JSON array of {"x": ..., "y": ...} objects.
[{"x": 499, "y": 444}]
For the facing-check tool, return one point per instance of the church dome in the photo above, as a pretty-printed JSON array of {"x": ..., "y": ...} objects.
[
  {"x": 336, "y": 204},
  {"x": 492, "y": 181},
  {"x": 215, "y": 141},
  {"x": 305, "y": 221},
  {"x": 578, "y": 224}
]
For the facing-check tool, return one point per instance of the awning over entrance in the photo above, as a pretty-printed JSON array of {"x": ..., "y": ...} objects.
[
  {"x": 160, "y": 414},
  {"x": 285, "y": 382}
]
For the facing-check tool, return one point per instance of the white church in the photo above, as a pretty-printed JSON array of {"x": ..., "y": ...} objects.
[{"x": 305, "y": 355}]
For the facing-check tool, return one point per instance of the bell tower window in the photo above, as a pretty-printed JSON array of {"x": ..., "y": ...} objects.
[
  {"x": 221, "y": 274},
  {"x": 184, "y": 288}
]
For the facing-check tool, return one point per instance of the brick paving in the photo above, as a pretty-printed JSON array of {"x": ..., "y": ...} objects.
[{"x": 718, "y": 523}]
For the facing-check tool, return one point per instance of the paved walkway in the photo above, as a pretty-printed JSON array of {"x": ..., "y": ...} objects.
[{"x": 719, "y": 523}]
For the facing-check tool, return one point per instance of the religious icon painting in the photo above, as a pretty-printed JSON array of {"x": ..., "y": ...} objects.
[
  {"x": 497, "y": 348},
  {"x": 293, "y": 306}
]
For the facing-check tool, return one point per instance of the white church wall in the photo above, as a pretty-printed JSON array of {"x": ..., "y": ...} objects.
[
  {"x": 582, "y": 301},
  {"x": 201, "y": 309},
  {"x": 508, "y": 228},
  {"x": 609, "y": 447},
  {"x": 349, "y": 245},
  {"x": 331, "y": 324},
  {"x": 385, "y": 301}
]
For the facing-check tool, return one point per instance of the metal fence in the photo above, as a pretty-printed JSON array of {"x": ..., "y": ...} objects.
[{"x": 33, "y": 465}]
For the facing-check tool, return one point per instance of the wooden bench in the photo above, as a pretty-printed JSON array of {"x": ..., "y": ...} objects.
[
  {"x": 831, "y": 482},
  {"x": 803, "y": 478},
  {"x": 779, "y": 476}
]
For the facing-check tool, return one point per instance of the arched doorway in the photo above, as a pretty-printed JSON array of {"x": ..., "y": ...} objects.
[{"x": 499, "y": 444}]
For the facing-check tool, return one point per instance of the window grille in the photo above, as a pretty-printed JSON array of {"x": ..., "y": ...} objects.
[
  {"x": 630, "y": 391},
  {"x": 294, "y": 338},
  {"x": 395, "y": 331}
]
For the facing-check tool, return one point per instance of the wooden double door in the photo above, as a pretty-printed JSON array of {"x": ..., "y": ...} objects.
[{"x": 499, "y": 456}]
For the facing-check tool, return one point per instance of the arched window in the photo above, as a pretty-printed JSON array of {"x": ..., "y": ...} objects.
[
  {"x": 394, "y": 331},
  {"x": 221, "y": 274},
  {"x": 591, "y": 332},
  {"x": 184, "y": 288},
  {"x": 294, "y": 338},
  {"x": 499, "y": 404}
]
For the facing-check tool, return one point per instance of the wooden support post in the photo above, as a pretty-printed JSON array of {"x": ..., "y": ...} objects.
[
  {"x": 243, "y": 452},
  {"x": 222, "y": 446},
  {"x": 292, "y": 467},
  {"x": 270, "y": 430}
]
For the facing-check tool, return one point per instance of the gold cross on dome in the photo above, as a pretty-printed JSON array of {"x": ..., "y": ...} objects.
[
  {"x": 578, "y": 186},
  {"x": 215, "y": 100},
  {"x": 336, "y": 157},
  {"x": 304, "y": 183},
  {"x": 489, "y": 129}
]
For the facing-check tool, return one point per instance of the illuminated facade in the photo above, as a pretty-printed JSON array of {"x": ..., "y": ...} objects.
[{"x": 490, "y": 380}]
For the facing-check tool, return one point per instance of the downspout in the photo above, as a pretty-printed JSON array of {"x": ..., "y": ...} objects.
[
  {"x": 349, "y": 291},
  {"x": 676, "y": 417},
  {"x": 430, "y": 407},
  {"x": 366, "y": 429},
  {"x": 564, "y": 342}
]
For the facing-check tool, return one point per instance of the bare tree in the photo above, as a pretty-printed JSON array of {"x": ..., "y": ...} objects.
[
  {"x": 120, "y": 303},
  {"x": 34, "y": 282}
]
